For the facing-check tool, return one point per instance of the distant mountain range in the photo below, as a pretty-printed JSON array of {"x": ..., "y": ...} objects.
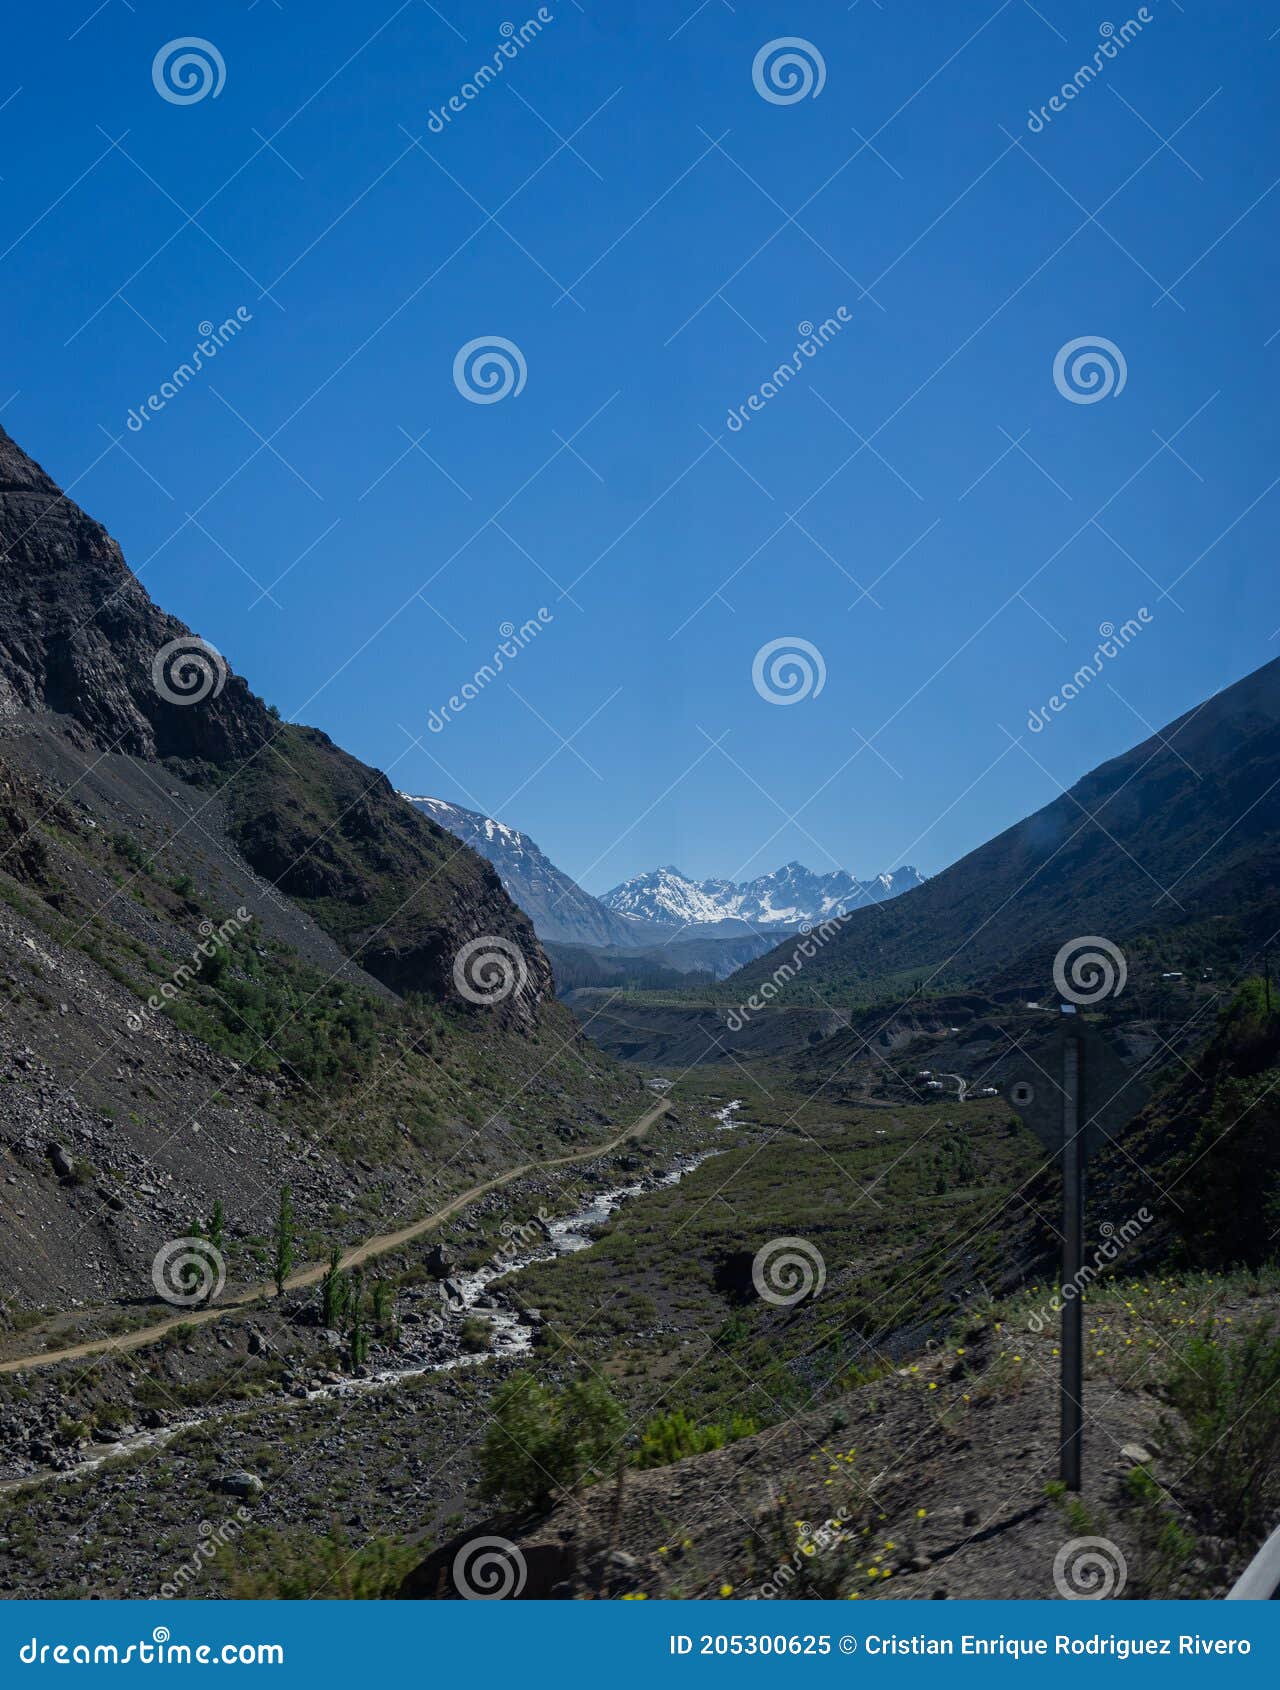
[
  {"x": 653, "y": 910},
  {"x": 792, "y": 896},
  {"x": 558, "y": 907}
]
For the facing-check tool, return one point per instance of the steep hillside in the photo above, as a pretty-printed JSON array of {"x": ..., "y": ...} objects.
[
  {"x": 557, "y": 906},
  {"x": 1184, "y": 829},
  {"x": 82, "y": 642},
  {"x": 232, "y": 960}
]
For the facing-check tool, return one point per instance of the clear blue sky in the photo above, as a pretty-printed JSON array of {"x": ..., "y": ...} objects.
[{"x": 623, "y": 205}]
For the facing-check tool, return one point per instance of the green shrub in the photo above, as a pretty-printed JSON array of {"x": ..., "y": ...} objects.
[
  {"x": 672, "y": 1437},
  {"x": 296, "y": 1566},
  {"x": 476, "y": 1333},
  {"x": 1224, "y": 1445},
  {"x": 1165, "y": 1547},
  {"x": 541, "y": 1440}
]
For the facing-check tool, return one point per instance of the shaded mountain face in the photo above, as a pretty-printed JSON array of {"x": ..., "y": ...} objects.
[
  {"x": 792, "y": 896},
  {"x": 558, "y": 907},
  {"x": 1183, "y": 831},
  {"x": 85, "y": 652}
]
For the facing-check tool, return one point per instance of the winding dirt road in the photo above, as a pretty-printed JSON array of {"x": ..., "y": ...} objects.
[{"x": 379, "y": 1245}]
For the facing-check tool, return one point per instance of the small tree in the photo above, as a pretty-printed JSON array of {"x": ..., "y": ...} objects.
[
  {"x": 190, "y": 1274},
  {"x": 284, "y": 1240},
  {"x": 218, "y": 1228},
  {"x": 540, "y": 1441},
  {"x": 382, "y": 1304},
  {"x": 359, "y": 1336},
  {"x": 334, "y": 1291}
]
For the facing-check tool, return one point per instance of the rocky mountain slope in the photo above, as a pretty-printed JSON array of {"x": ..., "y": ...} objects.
[
  {"x": 790, "y": 897},
  {"x": 558, "y": 907},
  {"x": 230, "y": 955},
  {"x": 81, "y": 639},
  {"x": 1181, "y": 832}
]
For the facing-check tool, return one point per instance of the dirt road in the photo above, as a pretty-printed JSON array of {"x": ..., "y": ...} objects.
[{"x": 379, "y": 1245}]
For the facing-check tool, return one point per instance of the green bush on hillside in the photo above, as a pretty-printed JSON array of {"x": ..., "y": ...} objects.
[
  {"x": 1224, "y": 1445},
  {"x": 542, "y": 1441},
  {"x": 672, "y": 1437}
]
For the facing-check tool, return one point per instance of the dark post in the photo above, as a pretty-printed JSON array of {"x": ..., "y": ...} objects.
[{"x": 1072, "y": 1260}]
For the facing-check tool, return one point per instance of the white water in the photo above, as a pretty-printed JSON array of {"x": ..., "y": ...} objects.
[
  {"x": 725, "y": 1115},
  {"x": 510, "y": 1335}
]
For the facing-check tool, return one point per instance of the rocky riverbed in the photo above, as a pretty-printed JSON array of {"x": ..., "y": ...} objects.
[{"x": 264, "y": 1412}]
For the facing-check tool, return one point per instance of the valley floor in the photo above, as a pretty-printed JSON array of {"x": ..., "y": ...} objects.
[{"x": 913, "y": 1400}]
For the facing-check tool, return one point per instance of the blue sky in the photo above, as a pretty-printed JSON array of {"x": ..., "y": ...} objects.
[{"x": 921, "y": 503}]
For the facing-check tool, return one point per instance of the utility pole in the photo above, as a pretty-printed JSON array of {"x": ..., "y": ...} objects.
[
  {"x": 1073, "y": 1093},
  {"x": 1073, "y": 1159}
]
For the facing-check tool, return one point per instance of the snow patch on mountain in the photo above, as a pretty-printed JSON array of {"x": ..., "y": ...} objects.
[
  {"x": 792, "y": 896},
  {"x": 558, "y": 907}
]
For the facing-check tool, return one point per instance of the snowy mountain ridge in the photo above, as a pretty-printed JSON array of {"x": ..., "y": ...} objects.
[{"x": 791, "y": 896}]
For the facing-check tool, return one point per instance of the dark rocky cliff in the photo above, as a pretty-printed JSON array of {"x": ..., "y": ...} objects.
[{"x": 82, "y": 644}]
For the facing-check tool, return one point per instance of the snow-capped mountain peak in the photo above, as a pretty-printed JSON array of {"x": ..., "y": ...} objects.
[
  {"x": 558, "y": 906},
  {"x": 792, "y": 896}
]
